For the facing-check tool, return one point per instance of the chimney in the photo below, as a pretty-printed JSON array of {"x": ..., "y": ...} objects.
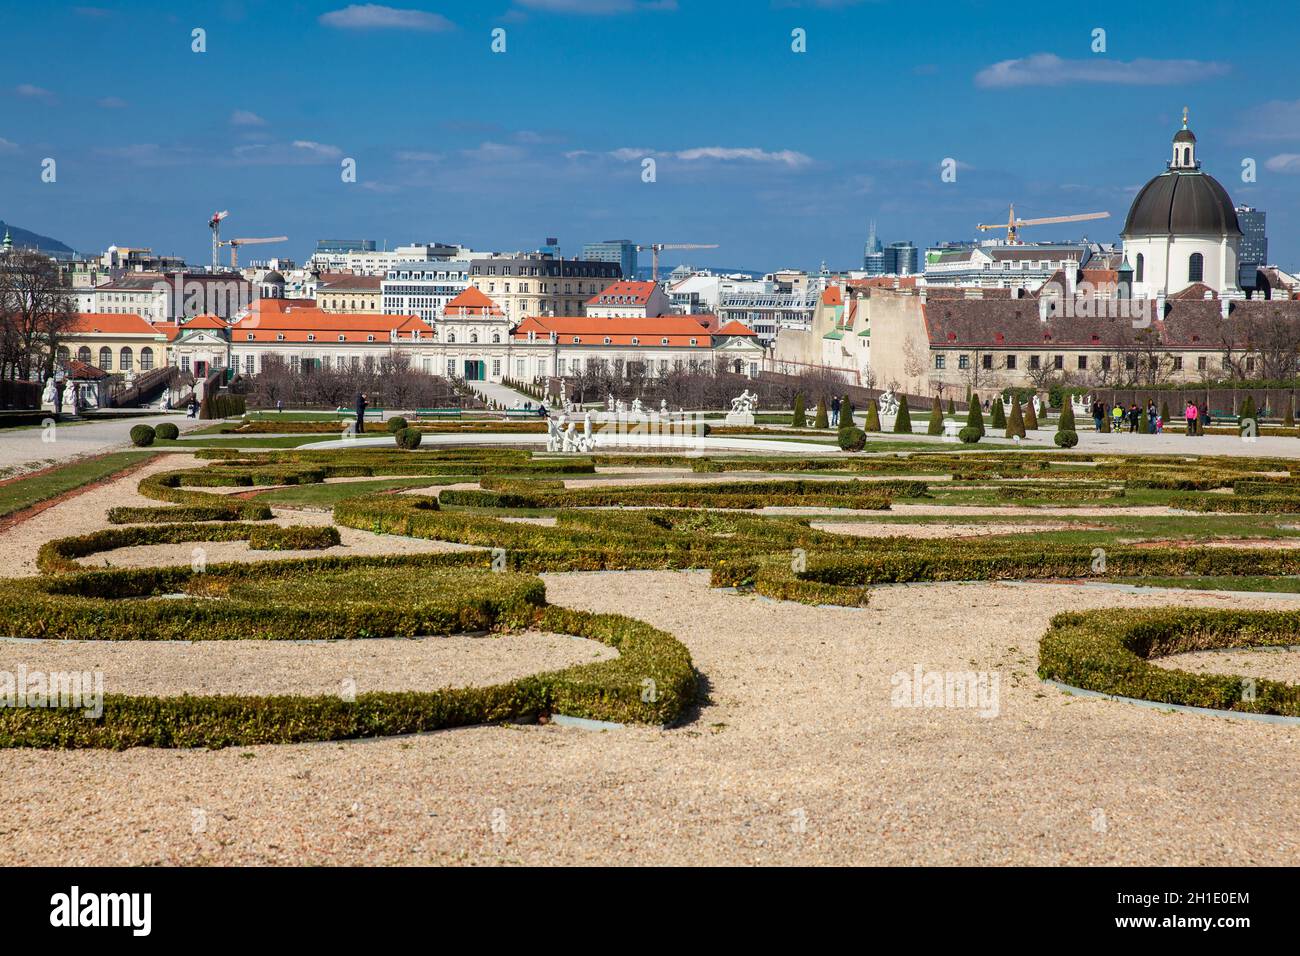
[
  {"x": 923, "y": 295},
  {"x": 1225, "y": 306},
  {"x": 1160, "y": 305},
  {"x": 1043, "y": 303}
]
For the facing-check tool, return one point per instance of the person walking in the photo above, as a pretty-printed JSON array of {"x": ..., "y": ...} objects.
[
  {"x": 1117, "y": 417},
  {"x": 835, "y": 411},
  {"x": 1133, "y": 415},
  {"x": 361, "y": 412},
  {"x": 1098, "y": 413},
  {"x": 1191, "y": 412}
]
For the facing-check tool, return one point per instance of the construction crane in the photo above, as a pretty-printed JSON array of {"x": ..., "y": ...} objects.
[
  {"x": 234, "y": 245},
  {"x": 656, "y": 247},
  {"x": 1014, "y": 225},
  {"x": 215, "y": 225}
]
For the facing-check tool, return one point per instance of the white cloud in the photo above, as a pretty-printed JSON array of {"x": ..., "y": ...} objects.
[
  {"x": 784, "y": 157},
  {"x": 323, "y": 150},
  {"x": 7, "y": 147},
  {"x": 494, "y": 152},
  {"x": 1048, "y": 69},
  {"x": 374, "y": 16},
  {"x": 111, "y": 103},
  {"x": 246, "y": 118},
  {"x": 596, "y": 7},
  {"x": 33, "y": 92},
  {"x": 1283, "y": 163}
]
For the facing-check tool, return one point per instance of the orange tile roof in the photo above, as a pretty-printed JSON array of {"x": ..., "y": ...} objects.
[
  {"x": 832, "y": 296},
  {"x": 169, "y": 329},
  {"x": 638, "y": 292},
  {"x": 308, "y": 325},
  {"x": 206, "y": 322},
  {"x": 588, "y": 330},
  {"x": 110, "y": 323},
  {"x": 473, "y": 301},
  {"x": 736, "y": 328}
]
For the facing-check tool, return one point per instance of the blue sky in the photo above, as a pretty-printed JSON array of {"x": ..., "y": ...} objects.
[{"x": 781, "y": 158}]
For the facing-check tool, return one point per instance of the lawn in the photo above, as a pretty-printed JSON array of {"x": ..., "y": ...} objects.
[{"x": 25, "y": 492}]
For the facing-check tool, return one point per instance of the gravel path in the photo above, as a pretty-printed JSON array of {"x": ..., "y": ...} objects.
[{"x": 798, "y": 757}]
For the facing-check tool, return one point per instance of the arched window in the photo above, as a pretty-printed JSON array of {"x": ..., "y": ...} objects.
[
  {"x": 64, "y": 355},
  {"x": 1187, "y": 156},
  {"x": 1141, "y": 268},
  {"x": 146, "y": 359},
  {"x": 473, "y": 338},
  {"x": 83, "y": 354},
  {"x": 106, "y": 359},
  {"x": 126, "y": 359},
  {"x": 1196, "y": 267},
  {"x": 451, "y": 337},
  {"x": 496, "y": 338}
]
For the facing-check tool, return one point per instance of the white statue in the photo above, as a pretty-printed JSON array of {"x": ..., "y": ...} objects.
[
  {"x": 742, "y": 409},
  {"x": 587, "y": 442},
  {"x": 554, "y": 440},
  {"x": 888, "y": 402},
  {"x": 609, "y": 403},
  {"x": 636, "y": 406}
]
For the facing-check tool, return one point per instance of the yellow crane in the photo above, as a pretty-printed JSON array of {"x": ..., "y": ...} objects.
[
  {"x": 1014, "y": 225},
  {"x": 656, "y": 247},
  {"x": 234, "y": 245}
]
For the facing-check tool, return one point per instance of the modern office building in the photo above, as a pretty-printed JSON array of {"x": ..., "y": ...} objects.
[
  {"x": 423, "y": 288},
  {"x": 622, "y": 251},
  {"x": 873, "y": 254},
  {"x": 1252, "y": 251},
  {"x": 901, "y": 259}
]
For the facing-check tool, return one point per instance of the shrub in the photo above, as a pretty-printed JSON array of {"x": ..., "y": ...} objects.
[
  {"x": 408, "y": 438},
  {"x": 1065, "y": 439},
  {"x": 1164, "y": 413},
  {"x": 952, "y": 408},
  {"x": 970, "y": 434},
  {"x": 798, "y": 419},
  {"x": 1247, "y": 413},
  {"x": 167, "y": 431},
  {"x": 142, "y": 435},
  {"x": 935, "y": 427},
  {"x": 903, "y": 420},
  {"x": 998, "y": 415},
  {"x": 822, "y": 420},
  {"x": 294, "y": 538},
  {"x": 852, "y": 439},
  {"x": 396, "y": 423},
  {"x": 1015, "y": 422},
  {"x": 975, "y": 417},
  {"x": 1031, "y": 416},
  {"x": 872, "y": 423},
  {"x": 846, "y": 413}
]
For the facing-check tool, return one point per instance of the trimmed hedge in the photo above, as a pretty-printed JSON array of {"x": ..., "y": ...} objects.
[
  {"x": 270, "y": 537},
  {"x": 408, "y": 438},
  {"x": 167, "y": 431},
  {"x": 142, "y": 436},
  {"x": 396, "y": 424},
  {"x": 1110, "y": 652}
]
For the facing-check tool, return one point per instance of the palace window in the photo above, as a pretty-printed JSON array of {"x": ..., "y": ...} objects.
[
  {"x": 963, "y": 361},
  {"x": 1195, "y": 267},
  {"x": 1141, "y": 268},
  {"x": 939, "y": 360},
  {"x": 1201, "y": 363},
  {"x": 1058, "y": 362},
  {"x": 1178, "y": 363},
  {"x": 146, "y": 359},
  {"x": 106, "y": 358},
  {"x": 1035, "y": 362},
  {"x": 986, "y": 361},
  {"x": 126, "y": 359},
  {"x": 1083, "y": 362},
  {"x": 1011, "y": 361}
]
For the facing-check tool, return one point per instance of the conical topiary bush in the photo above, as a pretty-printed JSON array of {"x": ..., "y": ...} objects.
[
  {"x": 1031, "y": 416},
  {"x": 846, "y": 413},
  {"x": 998, "y": 417},
  {"x": 821, "y": 421},
  {"x": 903, "y": 420},
  {"x": 952, "y": 408},
  {"x": 935, "y": 427},
  {"x": 1248, "y": 414},
  {"x": 1066, "y": 436},
  {"x": 798, "y": 419},
  {"x": 975, "y": 417},
  {"x": 1015, "y": 421},
  {"x": 872, "y": 423}
]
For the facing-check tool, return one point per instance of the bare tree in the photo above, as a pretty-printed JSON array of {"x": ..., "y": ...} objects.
[{"x": 35, "y": 312}]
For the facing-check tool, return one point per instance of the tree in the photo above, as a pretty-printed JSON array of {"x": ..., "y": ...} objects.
[
  {"x": 952, "y": 408},
  {"x": 821, "y": 421},
  {"x": 1248, "y": 415},
  {"x": 1016, "y": 421},
  {"x": 846, "y": 412},
  {"x": 35, "y": 312},
  {"x": 798, "y": 419},
  {"x": 1066, "y": 436},
  {"x": 935, "y": 427},
  {"x": 903, "y": 420}
]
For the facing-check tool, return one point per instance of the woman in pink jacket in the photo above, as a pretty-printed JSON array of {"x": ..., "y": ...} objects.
[{"x": 1192, "y": 414}]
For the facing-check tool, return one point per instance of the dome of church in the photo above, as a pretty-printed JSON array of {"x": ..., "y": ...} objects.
[{"x": 1183, "y": 200}]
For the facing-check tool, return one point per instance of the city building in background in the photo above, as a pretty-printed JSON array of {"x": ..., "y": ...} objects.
[
  {"x": 423, "y": 288},
  {"x": 1252, "y": 253},
  {"x": 873, "y": 254},
  {"x": 538, "y": 283},
  {"x": 622, "y": 251}
]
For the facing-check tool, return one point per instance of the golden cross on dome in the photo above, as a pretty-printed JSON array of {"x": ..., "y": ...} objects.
[{"x": 1184, "y": 117}]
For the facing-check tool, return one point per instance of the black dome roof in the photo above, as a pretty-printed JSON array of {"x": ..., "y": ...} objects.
[{"x": 1182, "y": 202}]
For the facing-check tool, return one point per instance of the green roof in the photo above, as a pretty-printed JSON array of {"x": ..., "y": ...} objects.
[{"x": 837, "y": 334}]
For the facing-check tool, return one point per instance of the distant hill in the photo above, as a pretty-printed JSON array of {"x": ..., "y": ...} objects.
[{"x": 26, "y": 239}]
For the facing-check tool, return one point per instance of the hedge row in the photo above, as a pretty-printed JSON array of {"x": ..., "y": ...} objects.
[
  {"x": 270, "y": 537},
  {"x": 1110, "y": 652},
  {"x": 651, "y": 681}
]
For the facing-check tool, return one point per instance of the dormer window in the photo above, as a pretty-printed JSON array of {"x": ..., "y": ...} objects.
[
  {"x": 576, "y": 340},
  {"x": 279, "y": 336},
  {"x": 311, "y": 337},
  {"x": 370, "y": 338},
  {"x": 695, "y": 341},
  {"x": 607, "y": 340},
  {"x": 342, "y": 338},
  {"x": 250, "y": 336},
  {"x": 635, "y": 340}
]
